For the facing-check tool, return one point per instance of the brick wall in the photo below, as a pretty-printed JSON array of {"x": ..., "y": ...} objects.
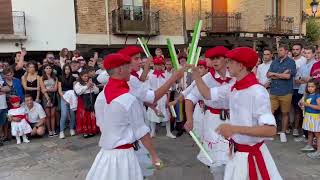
[
  {"x": 171, "y": 16},
  {"x": 91, "y": 16}
]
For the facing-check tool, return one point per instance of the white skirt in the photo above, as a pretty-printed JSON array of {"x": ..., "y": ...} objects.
[
  {"x": 116, "y": 164},
  {"x": 238, "y": 168},
  {"x": 20, "y": 128},
  {"x": 216, "y": 145}
]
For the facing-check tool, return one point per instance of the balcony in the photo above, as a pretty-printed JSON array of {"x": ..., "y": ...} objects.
[
  {"x": 18, "y": 29},
  {"x": 135, "y": 21},
  {"x": 279, "y": 24},
  {"x": 223, "y": 22}
]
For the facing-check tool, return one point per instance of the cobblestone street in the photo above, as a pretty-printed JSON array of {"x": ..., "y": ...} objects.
[{"x": 71, "y": 158}]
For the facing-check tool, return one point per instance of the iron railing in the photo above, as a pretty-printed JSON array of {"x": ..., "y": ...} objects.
[
  {"x": 223, "y": 22},
  {"x": 279, "y": 24},
  {"x": 135, "y": 21},
  {"x": 19, "y": 23}
]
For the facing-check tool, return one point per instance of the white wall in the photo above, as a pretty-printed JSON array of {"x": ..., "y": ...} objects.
[{"x": 50, "y": 25}]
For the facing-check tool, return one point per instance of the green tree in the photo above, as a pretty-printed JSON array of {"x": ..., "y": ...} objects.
[{"x": 313, "y": 29}]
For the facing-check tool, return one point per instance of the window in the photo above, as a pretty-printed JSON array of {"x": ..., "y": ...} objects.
[
  {"x": 133, "y": 9},
  {"x": 276, "y": 8}
]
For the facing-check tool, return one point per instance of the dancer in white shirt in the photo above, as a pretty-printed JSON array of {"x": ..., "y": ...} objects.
[
  {"x": 122, "y": 124},
  {"x": 251, "y": 119}
]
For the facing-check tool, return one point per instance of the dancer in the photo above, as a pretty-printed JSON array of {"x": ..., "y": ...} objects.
[
  {"x": 216, "y": 114},
  {"x": 251, "y": 119}
]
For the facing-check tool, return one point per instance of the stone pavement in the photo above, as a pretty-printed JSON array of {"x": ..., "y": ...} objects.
[{"x": 71, "y": 158}]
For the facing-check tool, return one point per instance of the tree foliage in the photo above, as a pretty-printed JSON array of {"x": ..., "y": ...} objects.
[{"x": 313, "y": 29}]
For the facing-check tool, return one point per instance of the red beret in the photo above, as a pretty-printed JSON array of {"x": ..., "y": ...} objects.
[
  {"x": 130, "y": 50},
  {"x": 247, "y": 56},
  {"x": 158, "y": 60},
  {"x": 202, "y": 63},
  {"x": 115, "y": 60},
  {"x": 14, "y": 99},
  {"x": 216, "y": 52}
]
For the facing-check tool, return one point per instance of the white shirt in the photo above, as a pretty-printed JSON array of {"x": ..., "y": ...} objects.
[
  {"x": 80, "y": 89},
  {"x": 123, "y": 122},
  {"x": 195, "y": 95},
  {"x": 35, "y": 113},
  {"x": 141, "y": 90},
  {"x": 248, "y": 107},
  {"x": 99, "y": 71},
  {"x": 262, "y": 72},
  {"x": 3, "y": 100},
  {"x": 299, "y": 62},
  {"x": 103, "y": 77},
  {"x": 19, "y": 111}
]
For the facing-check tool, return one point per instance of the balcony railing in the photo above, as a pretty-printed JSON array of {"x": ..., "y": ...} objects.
[
  {"x": 223, "y": 22},
  {"x": 135, "y": 21},
  {"x": 19, "y": 27},
  {"x": 279, "y": 24}
]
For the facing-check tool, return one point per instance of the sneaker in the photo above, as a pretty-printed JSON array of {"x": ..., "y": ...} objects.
[
  {"x": 61, "y": 135},
  {"x": 72, "y": 132},
  {"x": 25, "y": 140},
  {"x": 307, "y": 148},
  {"x": 54, "y": 133},
  {"x": 295, "y": 132},
  {"x": 314, "y": 155},
  {"x": 50, "y": 134},
  {"x": 288, "y": 131},
  {"x": 283, "y": 137},
  {"x": 170, "y": 135},
  {"x": 300, "y": 139}
]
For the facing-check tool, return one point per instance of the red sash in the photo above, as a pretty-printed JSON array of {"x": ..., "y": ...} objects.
[{"x": 254, "y": 153}]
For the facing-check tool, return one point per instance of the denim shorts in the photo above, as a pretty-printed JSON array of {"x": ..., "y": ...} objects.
[{"x": 3, "y": 116}]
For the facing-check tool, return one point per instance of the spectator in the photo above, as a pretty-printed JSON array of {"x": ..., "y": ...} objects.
[
  {"x": 76, "y": 55},
  {"x": 86, "y": 120},
  {"x": 82, "y": 64},
  {"x": 65, "y": 84},
  {"x": 100, "y": 66},
  {"x": 282, "y": 71},
  {"x": 64, "y": 55},
  {"x": 5, "y": 64},
  {"x": 36, "y": 116},
  {"x": 3, "y": 114},
  {"x": 13, "y": 85},
  {"x": 169, "y": 69},
  {"x": 49, "y": 87},
  {"x": 75, "y": 68},
  {"x": 300, "y": 61},
  {"x": 263, "y": 69},
  {"x": 51, "y": 61},
  {"x": 1, "y": 69},
  {"x": 159, "y": 53},
  {"x": 315, "y": 71},
  {"x": 94, "y": 77},
  {"x": 18, "y": 64},
  {"x": 31, "y": 81},
  {"x": 302, "y": 77}
]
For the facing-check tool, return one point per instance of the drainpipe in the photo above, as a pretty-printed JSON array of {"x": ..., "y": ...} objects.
[
  {"x": 107, "y": 22},
  {"x": 184, "y": 26}
]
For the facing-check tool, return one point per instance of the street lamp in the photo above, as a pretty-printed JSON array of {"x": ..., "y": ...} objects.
[{"x": 314, "y": 5}]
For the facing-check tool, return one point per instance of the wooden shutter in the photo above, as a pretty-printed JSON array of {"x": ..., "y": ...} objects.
[
  {"x": 220, "y": 20},
  {"x": 6, "y": 22}
]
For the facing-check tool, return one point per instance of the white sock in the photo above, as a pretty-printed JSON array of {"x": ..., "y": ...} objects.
[
  {"x": 153, "y": 128},
  {"x": 18, "y": 139},
  {"x": 25, "y": 139}
]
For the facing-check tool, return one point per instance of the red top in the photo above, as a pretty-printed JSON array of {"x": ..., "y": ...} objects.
[{"x": 315, "y": 71}]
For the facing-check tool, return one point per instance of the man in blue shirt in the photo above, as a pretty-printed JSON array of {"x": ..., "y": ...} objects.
[{"x": 282, "y": 72}]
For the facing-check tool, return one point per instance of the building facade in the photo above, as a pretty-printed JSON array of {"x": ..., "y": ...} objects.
[{"x": 50, "y": 25}]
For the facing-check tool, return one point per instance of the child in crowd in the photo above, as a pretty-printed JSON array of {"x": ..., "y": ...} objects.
[
  {"x": 159, "y": 114},
  {"x": 86, "y": 120},
  {"x": 17, "y": 116},
  {"x": 311, "y": 121}
]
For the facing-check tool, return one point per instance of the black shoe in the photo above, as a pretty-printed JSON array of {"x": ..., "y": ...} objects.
[
  {"x": 85, "y": 136},
  {"x": 91, "y": 135},
  {"x": 55, "y": 134},
  {"x": 179, "y": 134},
  {"x": 1, "y": 142}
]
